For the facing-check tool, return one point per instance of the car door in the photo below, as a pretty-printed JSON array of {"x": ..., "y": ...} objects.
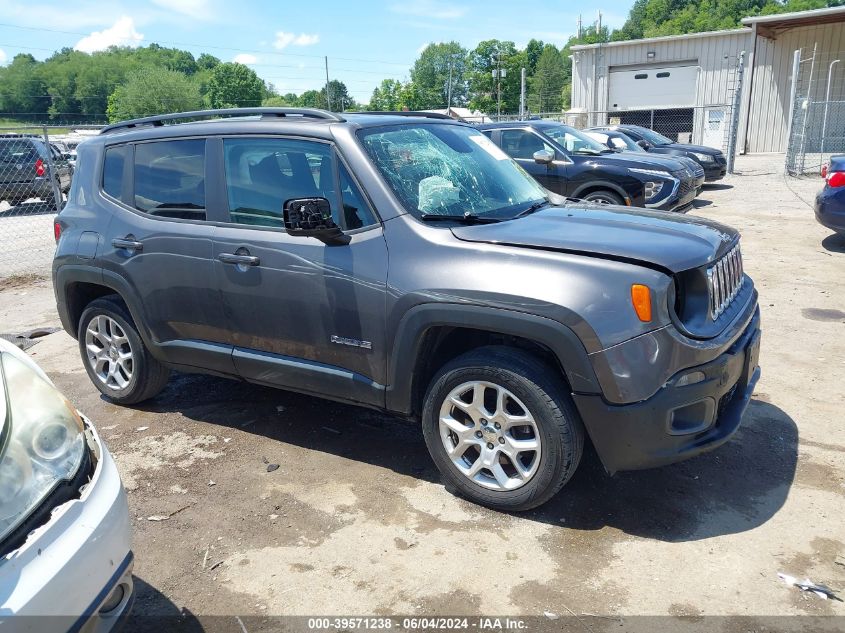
[
  {"x": 521, "y": 143},
  {"x": 157, "y": 248},
  {"x": 303, "y": 315},
  {"x": 62, "y": 167}
]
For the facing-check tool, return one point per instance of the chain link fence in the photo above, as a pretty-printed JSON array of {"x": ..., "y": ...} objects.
[
  {"x": 36, "y": 171},
  {"x": 817, "y": 112}
]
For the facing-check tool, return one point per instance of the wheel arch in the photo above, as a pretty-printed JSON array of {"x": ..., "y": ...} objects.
[
  {"x": 601, "y": 185},
  {"x": 430, "y": 335},
  {"x": 77, "y": 286}
]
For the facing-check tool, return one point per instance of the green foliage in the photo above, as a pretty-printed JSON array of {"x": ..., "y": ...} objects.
[
  {"x": 234, "y": 85},
  {"x": 484, "y": 62},
  {"x": 431, "y": 76},
  {"x": 546, "y": 86},
  {"x": 153, "y": 91},
  {"x": 654, "y": 18}
]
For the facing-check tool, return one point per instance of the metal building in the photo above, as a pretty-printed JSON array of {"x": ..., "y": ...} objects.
[{"x": 686, "y": 86}]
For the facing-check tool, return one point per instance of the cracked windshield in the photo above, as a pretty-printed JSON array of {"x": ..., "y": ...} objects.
[{"x": 451, "y": 171}]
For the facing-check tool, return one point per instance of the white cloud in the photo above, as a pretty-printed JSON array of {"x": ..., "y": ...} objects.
[
  {"x": 3, "y": 56},
  {"x": 283, "y": 39},
  {"x": 426, "y": 45},
  {"x": 245, "y": 58},
  {"x": 198, "y": 9},
  {"x": 121, "y": 33},
  {"x": 430, "y": 9}
]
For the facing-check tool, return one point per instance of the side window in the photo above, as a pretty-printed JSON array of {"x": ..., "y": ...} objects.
[
  {"x": 113, "y": 170},
  {"x": 356, "y": 213},
  {"x": 523, "y": 144},
  {"x": 263, "y": 173},
  {"x": 170, "y": 178}
]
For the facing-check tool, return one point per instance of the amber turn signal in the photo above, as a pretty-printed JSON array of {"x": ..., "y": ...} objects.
[{"x": 641, "y": 298}]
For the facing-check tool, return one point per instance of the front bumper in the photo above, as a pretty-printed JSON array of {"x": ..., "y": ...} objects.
[
  {"x": 678, "y": 422},
  {"x": 715, "y": 170},
  {"x": 683, "y": 193},
  {"x": 69, "y": 567}
]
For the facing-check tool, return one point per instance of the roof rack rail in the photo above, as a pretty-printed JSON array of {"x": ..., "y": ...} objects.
[
  {"x": 158, "y": 120},
  {"x": 428, "y": 115}
]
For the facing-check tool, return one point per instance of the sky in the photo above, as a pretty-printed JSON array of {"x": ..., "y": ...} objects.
[{"x": 286, "y": 42}]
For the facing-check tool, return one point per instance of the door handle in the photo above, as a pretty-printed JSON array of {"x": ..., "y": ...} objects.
[
  {"x": 241, "y": 260},
  {"x": 128, "y": 244}
]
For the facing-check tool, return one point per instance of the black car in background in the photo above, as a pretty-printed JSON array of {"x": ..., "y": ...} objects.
[
  {"x": 568, "y": 162},
  {"x": 712, "y": 160},
  {"x": 25, "y": 169},
  {"x": 621, "y": 142}
]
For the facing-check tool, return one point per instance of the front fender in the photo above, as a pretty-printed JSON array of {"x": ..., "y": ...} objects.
[{"x": 560, "y": 339}]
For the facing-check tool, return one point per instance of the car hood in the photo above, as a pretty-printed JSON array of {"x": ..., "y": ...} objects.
[
  {"x": 643, "y": 160},
  {"x": 662, "y": 240}
]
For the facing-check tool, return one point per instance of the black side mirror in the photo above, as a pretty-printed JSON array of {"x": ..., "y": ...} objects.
[
  {"x": 312, "y": 217},
  {"x": 644, "y": 144}
]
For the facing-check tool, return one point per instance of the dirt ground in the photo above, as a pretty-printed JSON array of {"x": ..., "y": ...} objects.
[{"x": 356, "y": 521}]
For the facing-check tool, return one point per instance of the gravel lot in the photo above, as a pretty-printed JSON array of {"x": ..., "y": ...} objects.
[{"x": 355, "y": 520}]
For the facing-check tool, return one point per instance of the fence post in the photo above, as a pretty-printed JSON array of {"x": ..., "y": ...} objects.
[
  {"x": 734, "y": 123},
  {"x": 51, "y": 171},
  {"x": 793, "y": 93}
]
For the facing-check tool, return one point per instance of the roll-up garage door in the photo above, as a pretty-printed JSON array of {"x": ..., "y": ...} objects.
[{"x": 652, "y": 88}]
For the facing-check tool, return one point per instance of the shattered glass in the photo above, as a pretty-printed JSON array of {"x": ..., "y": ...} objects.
[{"x": 443, "y": 169}]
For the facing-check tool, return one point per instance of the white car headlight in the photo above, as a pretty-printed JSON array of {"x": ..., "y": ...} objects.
[
  {"x": 704, "y": 158},
  {"x": 653, "y": 187},
  {"x": 42, "y": 442}
]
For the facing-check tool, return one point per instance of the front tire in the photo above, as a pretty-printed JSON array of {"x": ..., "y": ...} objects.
[
  {"x": 603, "y": 197},
  {"x": 502, "y": 428},
  {"x": 114, "y": 355}
]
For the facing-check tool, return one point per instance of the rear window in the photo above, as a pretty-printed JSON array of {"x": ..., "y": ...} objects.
[
  {"x": 17, "y": 151},
  {"x": 170, "y": 179}
]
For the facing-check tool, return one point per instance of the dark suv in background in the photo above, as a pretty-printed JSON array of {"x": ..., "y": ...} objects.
[
  {"x": 621, "y": 142},
  {"x": 570, "y": 163},
  {"x": 406, "y": 264},
  {"x": 712, "y": 160},
  {"x": 25, "y": 169}
]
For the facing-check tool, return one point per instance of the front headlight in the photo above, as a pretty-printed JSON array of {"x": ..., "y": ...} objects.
[
  {"x": 653, "y": 187},
  {"x": 42, "y": 445},
  {"x": 704, "y": 158}
]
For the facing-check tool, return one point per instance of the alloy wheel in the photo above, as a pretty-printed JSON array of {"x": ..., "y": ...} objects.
[
  {"x": 490, "y": 435},
  {"x": 109, "y": 352}
]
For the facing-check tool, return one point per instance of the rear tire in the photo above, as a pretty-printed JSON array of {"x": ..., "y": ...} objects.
[
  {"x": 604, "y": 197},
  {"x": 114, "y": 355},
  {"x": 502, "y": 428}
]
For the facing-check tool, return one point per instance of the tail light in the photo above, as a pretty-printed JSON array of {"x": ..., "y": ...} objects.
[
  {"x": 57, "y": 230},
  {"x": 824, "y": 170},
  {"x": 39, "y": 167},
  {"x": 836, "y": 179}
]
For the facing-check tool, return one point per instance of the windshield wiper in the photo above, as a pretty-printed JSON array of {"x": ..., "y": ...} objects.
[
  {"x": 531, "y": 209},
  {"x": 466, "y": 218}
]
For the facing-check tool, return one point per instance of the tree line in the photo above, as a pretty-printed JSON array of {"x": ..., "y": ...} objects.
[{"x": 124, "y": 82}]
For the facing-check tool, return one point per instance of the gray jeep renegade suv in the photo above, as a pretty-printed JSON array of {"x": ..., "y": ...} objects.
[{"x": 405, "y": 263}]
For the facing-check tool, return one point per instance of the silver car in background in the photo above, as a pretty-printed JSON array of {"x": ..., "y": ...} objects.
[{"x": 65, "y": 535}]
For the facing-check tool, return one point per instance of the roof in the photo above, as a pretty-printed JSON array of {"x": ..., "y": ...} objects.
[
  {"x": 664, "y": 38},
  {"x": 537, "y": 123},
  {"x": 767, "y": 26}
]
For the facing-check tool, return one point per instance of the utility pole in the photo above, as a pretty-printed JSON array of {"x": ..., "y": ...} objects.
[
  {"x": 328, "y": 94},
  {"x": 449, "y": 96},
  {"x": 498, "y": 73},
  {"x": 522, "y": 95},
  {"x": 579, "y": 27},
  {"x": 598, "y": 28}
]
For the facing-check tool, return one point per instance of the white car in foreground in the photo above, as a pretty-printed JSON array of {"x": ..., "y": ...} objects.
[{"x": 65, "y": 536}]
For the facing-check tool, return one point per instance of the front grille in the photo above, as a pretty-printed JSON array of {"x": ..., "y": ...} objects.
[
  {"x": 685, "y": 188},
  {"x": 724, "y": 280},
  {"x": 698, "y": 171}
]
